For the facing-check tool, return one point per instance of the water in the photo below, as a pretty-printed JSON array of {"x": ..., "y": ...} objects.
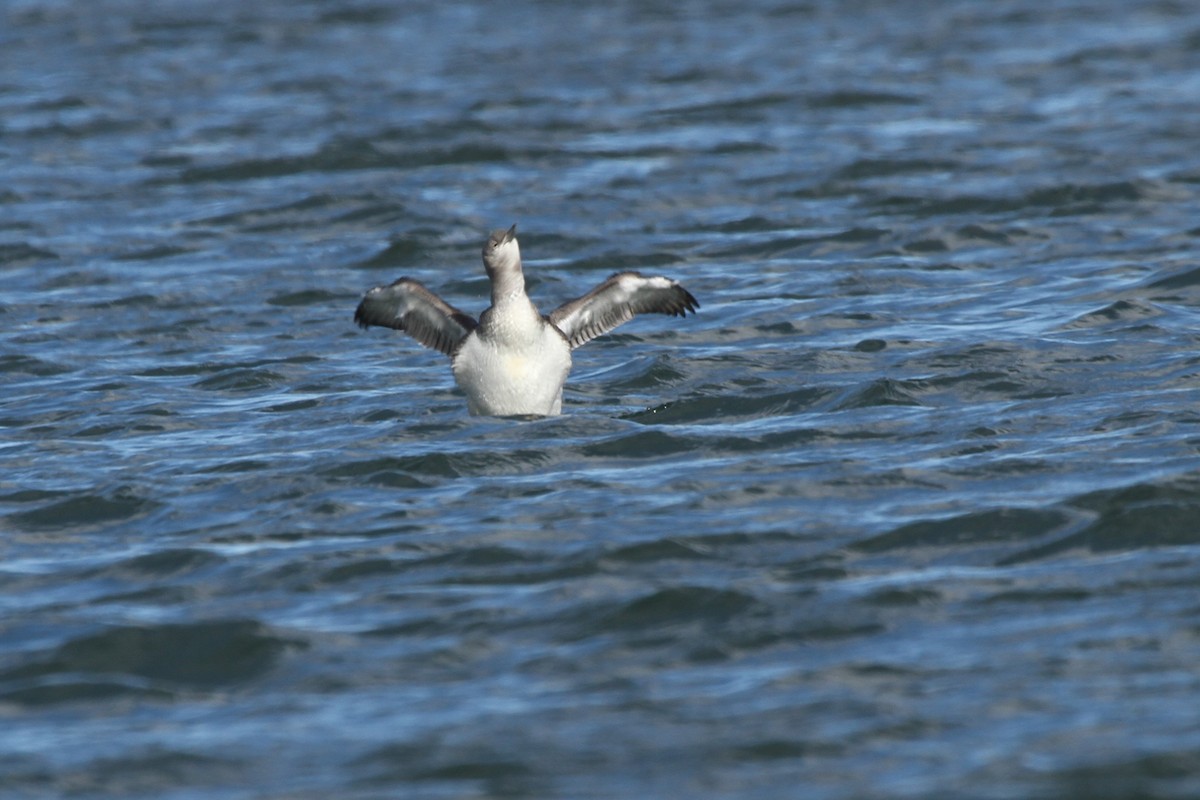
[{"x": 908, "y": 510}]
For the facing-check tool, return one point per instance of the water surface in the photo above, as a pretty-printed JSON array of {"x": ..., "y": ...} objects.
[{"x": 907, "y": 510}]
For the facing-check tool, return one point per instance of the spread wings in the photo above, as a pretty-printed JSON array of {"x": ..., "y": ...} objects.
[
  {"x": 408, "y": 306},
  {"x": 616, "y": 301}
]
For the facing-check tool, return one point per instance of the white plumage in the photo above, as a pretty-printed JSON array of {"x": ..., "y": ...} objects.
[{"x": 514, "y": 360}]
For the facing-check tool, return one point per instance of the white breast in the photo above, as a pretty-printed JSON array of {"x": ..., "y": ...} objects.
[{"x": 514, "y": 377}]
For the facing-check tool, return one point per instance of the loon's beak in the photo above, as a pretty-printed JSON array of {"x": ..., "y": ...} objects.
[{"x": 510, "y": 235}]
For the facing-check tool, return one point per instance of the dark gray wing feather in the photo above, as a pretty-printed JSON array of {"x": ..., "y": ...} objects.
[
  {"x": 408, "y": 306},
  {"x": 616, "y": 301}
]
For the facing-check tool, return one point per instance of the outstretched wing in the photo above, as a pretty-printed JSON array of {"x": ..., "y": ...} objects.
[
  {"x": 616, "y": 301},
  {"x": 408, "y": 306}
]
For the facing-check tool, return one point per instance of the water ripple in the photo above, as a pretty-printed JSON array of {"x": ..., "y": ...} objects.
[{"x": 905, "y": 511}]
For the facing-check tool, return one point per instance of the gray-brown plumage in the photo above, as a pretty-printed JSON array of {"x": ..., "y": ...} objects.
[
  {"x": 408, "y": 306},
  {"x": 515, "y": 360},
  {"x": 616, "y": 301}
]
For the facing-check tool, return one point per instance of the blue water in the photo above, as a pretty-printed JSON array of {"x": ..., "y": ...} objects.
[{"x": 908, "y": 510}]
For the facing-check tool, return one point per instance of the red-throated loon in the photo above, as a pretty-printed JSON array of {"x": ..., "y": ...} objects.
[{"x": 515, "y": 360}]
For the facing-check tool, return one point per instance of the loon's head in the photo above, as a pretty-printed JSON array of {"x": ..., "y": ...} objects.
[{"x": 501, "y": 253}]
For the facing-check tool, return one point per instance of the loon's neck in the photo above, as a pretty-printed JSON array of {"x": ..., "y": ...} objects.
[{"x": 508, "y": 287}]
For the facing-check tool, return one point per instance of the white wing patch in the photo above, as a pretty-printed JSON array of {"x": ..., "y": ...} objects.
[{"x": 616, "y": 301}]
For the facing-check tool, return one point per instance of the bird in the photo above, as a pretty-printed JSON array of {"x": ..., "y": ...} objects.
[{"x": 514, "y": 360}]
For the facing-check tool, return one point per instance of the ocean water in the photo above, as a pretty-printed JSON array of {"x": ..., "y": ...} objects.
[{"x": 909, "y": 509}]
